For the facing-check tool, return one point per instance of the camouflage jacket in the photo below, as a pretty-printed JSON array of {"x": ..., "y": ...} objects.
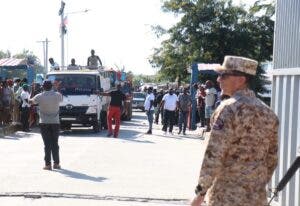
[{"x": 242, "y": 152}]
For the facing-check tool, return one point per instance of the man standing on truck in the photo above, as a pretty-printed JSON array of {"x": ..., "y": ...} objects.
[
  {"x": 92, "y": 62},
  {"x": 73, "y": 66},
  {"x": 53, "y": 65},
  {"x": 114, "y": 110}
]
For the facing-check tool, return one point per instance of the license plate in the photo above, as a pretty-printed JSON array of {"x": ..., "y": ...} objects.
[{"x": 68, "y": 118}]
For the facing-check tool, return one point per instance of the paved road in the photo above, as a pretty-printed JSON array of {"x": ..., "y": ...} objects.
[{"x": 135, "y": 169}]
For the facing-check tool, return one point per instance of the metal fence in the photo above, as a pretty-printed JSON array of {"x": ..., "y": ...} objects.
[{"x": 286, "y": 95}]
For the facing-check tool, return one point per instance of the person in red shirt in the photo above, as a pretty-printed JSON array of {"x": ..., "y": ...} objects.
[{"x": 114, "y": 110}]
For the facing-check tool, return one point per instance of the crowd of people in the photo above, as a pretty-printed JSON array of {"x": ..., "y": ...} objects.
[
  {"x": 14, "y": 105},
  {"x": 173, "y": 107}
]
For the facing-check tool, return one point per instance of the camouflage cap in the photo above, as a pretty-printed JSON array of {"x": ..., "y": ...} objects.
[{"x": 237, "y": 63}]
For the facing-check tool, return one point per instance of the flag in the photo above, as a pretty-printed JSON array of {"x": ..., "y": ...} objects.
[{"x": 65, "y": 21}]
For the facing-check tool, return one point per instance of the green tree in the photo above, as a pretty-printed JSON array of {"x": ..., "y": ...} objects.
[
  {"x": 6, "y": 54},
  {"x": 32, "y": 60},
  {"x": 210, "y": 29}
]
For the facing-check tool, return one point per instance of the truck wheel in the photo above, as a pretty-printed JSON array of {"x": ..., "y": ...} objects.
[{"x": 97, "y": 126}]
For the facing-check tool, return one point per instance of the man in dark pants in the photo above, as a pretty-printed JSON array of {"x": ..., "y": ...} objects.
[
  {"x": 169, "y": 103},
  {"x": 158, "y": 99},
  {"x": 48, "y": 102},
  {"x": 114, "y": 110},
  {"x": 149, "y": 108},
  {"x": 184, "y": 103}
]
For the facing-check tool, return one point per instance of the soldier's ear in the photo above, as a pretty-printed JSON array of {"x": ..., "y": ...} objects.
[{"x": 243, "y": 79}]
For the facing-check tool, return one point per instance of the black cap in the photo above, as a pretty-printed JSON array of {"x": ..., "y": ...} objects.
[{"x": 47, "y": 84}]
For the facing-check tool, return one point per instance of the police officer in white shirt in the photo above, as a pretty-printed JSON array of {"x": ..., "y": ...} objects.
[{"x": 169, "y": 103}]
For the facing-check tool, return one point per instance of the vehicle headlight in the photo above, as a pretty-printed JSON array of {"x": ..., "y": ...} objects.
[{"x": 92, "y": 110}]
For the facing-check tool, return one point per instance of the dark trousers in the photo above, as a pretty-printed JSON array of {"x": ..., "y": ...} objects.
[
  {"x": 201, "y": 112},
  {"x": 169, "y": 117},
  {"x": 25, "y": 118},
  {"x": 50, "y": 134},
  {"x": 183, "y": 115},
  {"x": 150, "y": 119},
  {"x": 161, "y": 113}
]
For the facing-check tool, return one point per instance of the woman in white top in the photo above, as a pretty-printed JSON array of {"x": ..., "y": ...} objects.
[{"x": 25, "y": 96}]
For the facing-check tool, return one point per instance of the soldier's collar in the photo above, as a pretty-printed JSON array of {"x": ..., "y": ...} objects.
[{"x": 244, "y": 92}]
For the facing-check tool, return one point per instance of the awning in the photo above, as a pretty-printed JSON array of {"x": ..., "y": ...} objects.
[
  {"x": 208, "y": 68},
  {"x": 13, "y": 63}
]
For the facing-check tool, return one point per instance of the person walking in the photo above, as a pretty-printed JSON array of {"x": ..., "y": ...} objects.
[
  {"x": 48, "y": 102},
  {"x": 149, "y": 108},
  {"x": 241, "y": 154},
  {"x": 114, "y": 110},
  {"x": 169, "y": 103},
  {"x": 184, "y": 103},
  {"x": 25, "y": 96}
]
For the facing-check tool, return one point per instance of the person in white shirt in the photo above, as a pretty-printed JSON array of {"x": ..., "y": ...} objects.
[
  {"x": 169, "y": 103},
  {"x": 210, "y": 100},
  {"x": 25, "y": 96},
  {"x": 149, "y": 108},
  {"x": 54, "y": 66}
]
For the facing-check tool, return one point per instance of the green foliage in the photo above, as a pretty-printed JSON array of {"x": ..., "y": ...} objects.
[
  {"x": 6, "y": 54},
  {"x": 139, "y": 79},
  {"x": 209, "y": 30},
  {"x": 32, "y": 60}
]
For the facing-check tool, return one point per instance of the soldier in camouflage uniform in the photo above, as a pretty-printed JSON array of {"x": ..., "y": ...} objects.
[{"x": 242, "y": 150}]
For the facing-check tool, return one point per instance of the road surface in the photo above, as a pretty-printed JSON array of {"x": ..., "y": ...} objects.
[{"x": 135, "y": 169}]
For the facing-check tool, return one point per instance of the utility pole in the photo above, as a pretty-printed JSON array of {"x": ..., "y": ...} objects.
[
  {"x": 45, "y": 52},
  {"x": 62, "y": 33},
  {"x": 63, "y": 29}
]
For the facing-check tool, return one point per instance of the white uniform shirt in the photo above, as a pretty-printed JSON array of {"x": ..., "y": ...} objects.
[
  {"x": 25, "y": 95},
  {"x": 170, "y": 101},
  {"x": 54, "y": 67},
  {"x": 150, "y": 97},
  {"x": 210, "y": 96}
]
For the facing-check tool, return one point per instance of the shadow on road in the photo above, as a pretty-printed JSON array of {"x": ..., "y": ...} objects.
[
  {"x": 80, "y": 132},
  {"x": 78, "y": 175},
  {"x": 19, "y": 135},
  {"x": 132, "y": 135}
]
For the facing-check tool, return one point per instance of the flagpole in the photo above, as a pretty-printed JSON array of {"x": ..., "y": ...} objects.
[{"x": 62, "y": 34}]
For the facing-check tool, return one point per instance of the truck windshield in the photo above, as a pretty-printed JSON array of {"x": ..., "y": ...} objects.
[{"x": 74, "y": 84}]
